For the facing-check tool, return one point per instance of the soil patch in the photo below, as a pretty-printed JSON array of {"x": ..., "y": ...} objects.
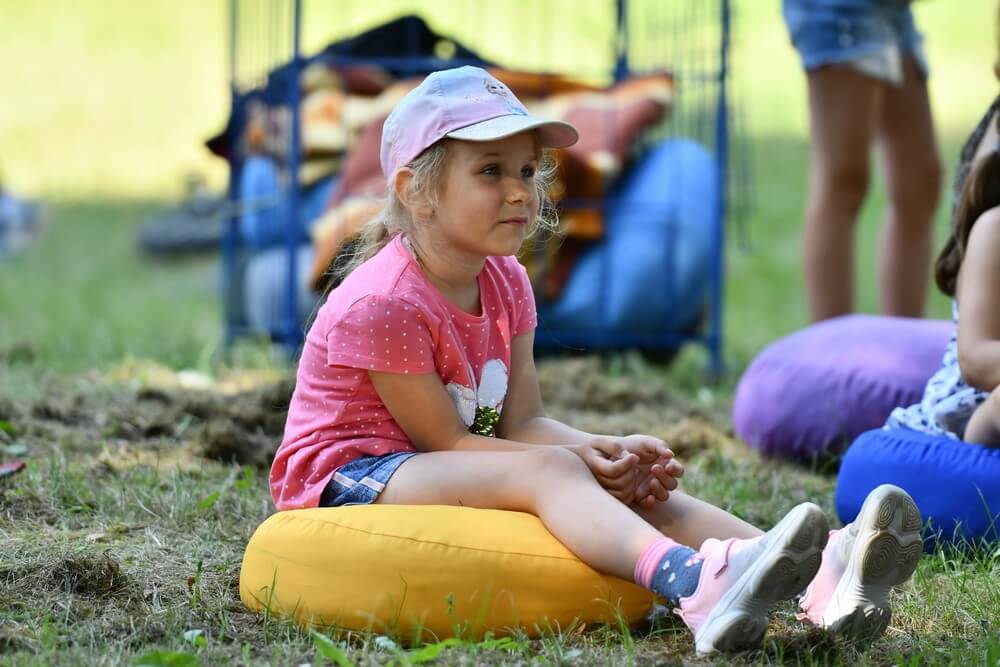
[{"x": 162, "y": 421}]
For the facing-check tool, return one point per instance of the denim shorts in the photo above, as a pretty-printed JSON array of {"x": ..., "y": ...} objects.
[
  {"x": 360, "y": 481},
  {"x": 874, "y": 36}
]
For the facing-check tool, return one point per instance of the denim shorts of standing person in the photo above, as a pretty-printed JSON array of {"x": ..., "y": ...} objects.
[{"x": 873, "y": 36}]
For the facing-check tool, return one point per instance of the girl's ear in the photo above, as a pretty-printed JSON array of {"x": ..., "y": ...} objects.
[{"x": 415, "y": 203}]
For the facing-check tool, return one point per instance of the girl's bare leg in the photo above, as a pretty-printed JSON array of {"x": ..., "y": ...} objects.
[
  {"x": 844, "y": 112},
  {"x": 984, "y": 427},
  {"x": 727, "y": 613},
  {"x": 552, "y": 483},
  {"x": 913, "y": 180},
  {"x": 690, "y": 521}
]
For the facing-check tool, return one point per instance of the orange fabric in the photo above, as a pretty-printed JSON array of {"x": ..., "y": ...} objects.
[{"x": 533, "y": 85}]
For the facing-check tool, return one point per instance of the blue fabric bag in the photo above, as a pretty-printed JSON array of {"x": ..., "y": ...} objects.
[{"x": 650, "y": 272}]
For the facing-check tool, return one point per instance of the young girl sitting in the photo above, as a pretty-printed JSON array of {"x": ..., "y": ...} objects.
[
  {"x": 962, "y": 400},
  {"x": 417, "y": 386}
]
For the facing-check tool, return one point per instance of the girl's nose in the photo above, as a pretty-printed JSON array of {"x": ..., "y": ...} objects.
[{"x": 518, "y": 192}]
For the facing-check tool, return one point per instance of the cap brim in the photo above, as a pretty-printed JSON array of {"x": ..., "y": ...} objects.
[{"x": 553, "y": 133}]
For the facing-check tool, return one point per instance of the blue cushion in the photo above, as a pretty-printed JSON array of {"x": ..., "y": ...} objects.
[
  {"x": 265, "y": 288},
  {"x": 650, "y": 274},
  {"x": 955, "y": 484},
  {"x": 267, "y": 212}
]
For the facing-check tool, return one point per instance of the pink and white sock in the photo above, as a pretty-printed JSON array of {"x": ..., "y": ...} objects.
[{"x": 669, "y": 569}]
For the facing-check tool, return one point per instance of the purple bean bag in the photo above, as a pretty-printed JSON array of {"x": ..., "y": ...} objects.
[{"x": 810, "y": 394}]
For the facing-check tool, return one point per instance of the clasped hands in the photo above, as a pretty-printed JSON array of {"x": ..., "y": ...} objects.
[{"x": 635, "y": 469}]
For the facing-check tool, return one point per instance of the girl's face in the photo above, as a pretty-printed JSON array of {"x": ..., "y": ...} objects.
[{"x": 487, "y": 199}]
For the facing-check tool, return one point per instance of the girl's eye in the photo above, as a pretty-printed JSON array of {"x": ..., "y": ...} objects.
[
  {"x": 528, "y": 172},
  {"x": 491, "y": 170}
]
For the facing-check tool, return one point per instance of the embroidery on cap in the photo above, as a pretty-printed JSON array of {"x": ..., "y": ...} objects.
[{"x": 502, "y": 92}]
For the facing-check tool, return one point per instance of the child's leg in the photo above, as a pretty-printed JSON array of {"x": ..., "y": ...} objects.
[
  {"x": 549, "y": 482},
  {"x": 984, "y": 427},
  {"x": 724, "y": 593},
  {"x": 913, "y": 181},
  {"x": 742, "y": 579},
  {"x": 691, "y": 521},
  {"x": 844, "y": 111}
]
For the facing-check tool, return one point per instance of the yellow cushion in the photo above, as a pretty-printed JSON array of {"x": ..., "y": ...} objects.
[{"x": 426, "y": 572}]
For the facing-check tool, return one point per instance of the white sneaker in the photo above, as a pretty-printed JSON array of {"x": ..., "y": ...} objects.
[
  {"x": 862, "y": 562},
  {"x": 742, "y": 579}
]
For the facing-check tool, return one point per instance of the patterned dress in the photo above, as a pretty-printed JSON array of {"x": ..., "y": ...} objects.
[{"x": 948, "y": 402}]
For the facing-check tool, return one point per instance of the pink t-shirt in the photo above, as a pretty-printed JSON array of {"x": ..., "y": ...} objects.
[{"x": 386, "y": 316}]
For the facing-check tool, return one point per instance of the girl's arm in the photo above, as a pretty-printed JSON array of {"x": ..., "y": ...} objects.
[
  {"x": 522, "y": 417},
  {"x": 979, "y": 305},
  {"x": 523, "y": 420},
  {"x": 424, "y": 410},
  {"x": 421, "y": 406}
]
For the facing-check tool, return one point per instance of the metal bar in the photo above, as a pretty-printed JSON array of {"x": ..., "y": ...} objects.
[
  {"x": 621, "y": 40},
  {"x": 231, "y": 233},
  {"x": 292, "y": 334},
  {"x": 715, "y": 338}
]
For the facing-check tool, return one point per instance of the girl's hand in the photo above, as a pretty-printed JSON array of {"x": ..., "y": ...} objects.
[
  {"x": 613, "y": 467},
  {"x": 656, "y": 484},
  {"x": 658, "y": 470}
]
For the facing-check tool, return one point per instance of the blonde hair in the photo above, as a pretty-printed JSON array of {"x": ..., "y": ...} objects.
[{"x": 428, "y": 173}]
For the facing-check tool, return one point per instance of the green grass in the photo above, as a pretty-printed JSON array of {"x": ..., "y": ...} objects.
[
  {"x": 114, "y": 543},
  {"x": 119, "y": 546}
]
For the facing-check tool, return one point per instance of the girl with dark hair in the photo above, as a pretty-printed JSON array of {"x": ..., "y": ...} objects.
[{"x": 962, "y": 400}]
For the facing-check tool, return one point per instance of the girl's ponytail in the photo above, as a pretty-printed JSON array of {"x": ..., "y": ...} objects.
[
  {"x": 392, "y": 219},
  {"x": 980, "y": 192}
]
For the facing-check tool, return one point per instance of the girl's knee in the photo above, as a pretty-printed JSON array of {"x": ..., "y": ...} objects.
[
  {"x": 993, "y": 404},
  {"x": 555, "y": 462},
  {"x": 537, "y": 472},
  {"x": 846, "y": 181}
]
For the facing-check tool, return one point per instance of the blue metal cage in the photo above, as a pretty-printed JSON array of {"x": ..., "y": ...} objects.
[{"x": 691, "y": 38}]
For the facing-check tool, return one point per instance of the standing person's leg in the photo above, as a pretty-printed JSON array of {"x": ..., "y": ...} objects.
[
  {"x": 913, "y": 179},
  {"x": 844, "y": 113}
]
